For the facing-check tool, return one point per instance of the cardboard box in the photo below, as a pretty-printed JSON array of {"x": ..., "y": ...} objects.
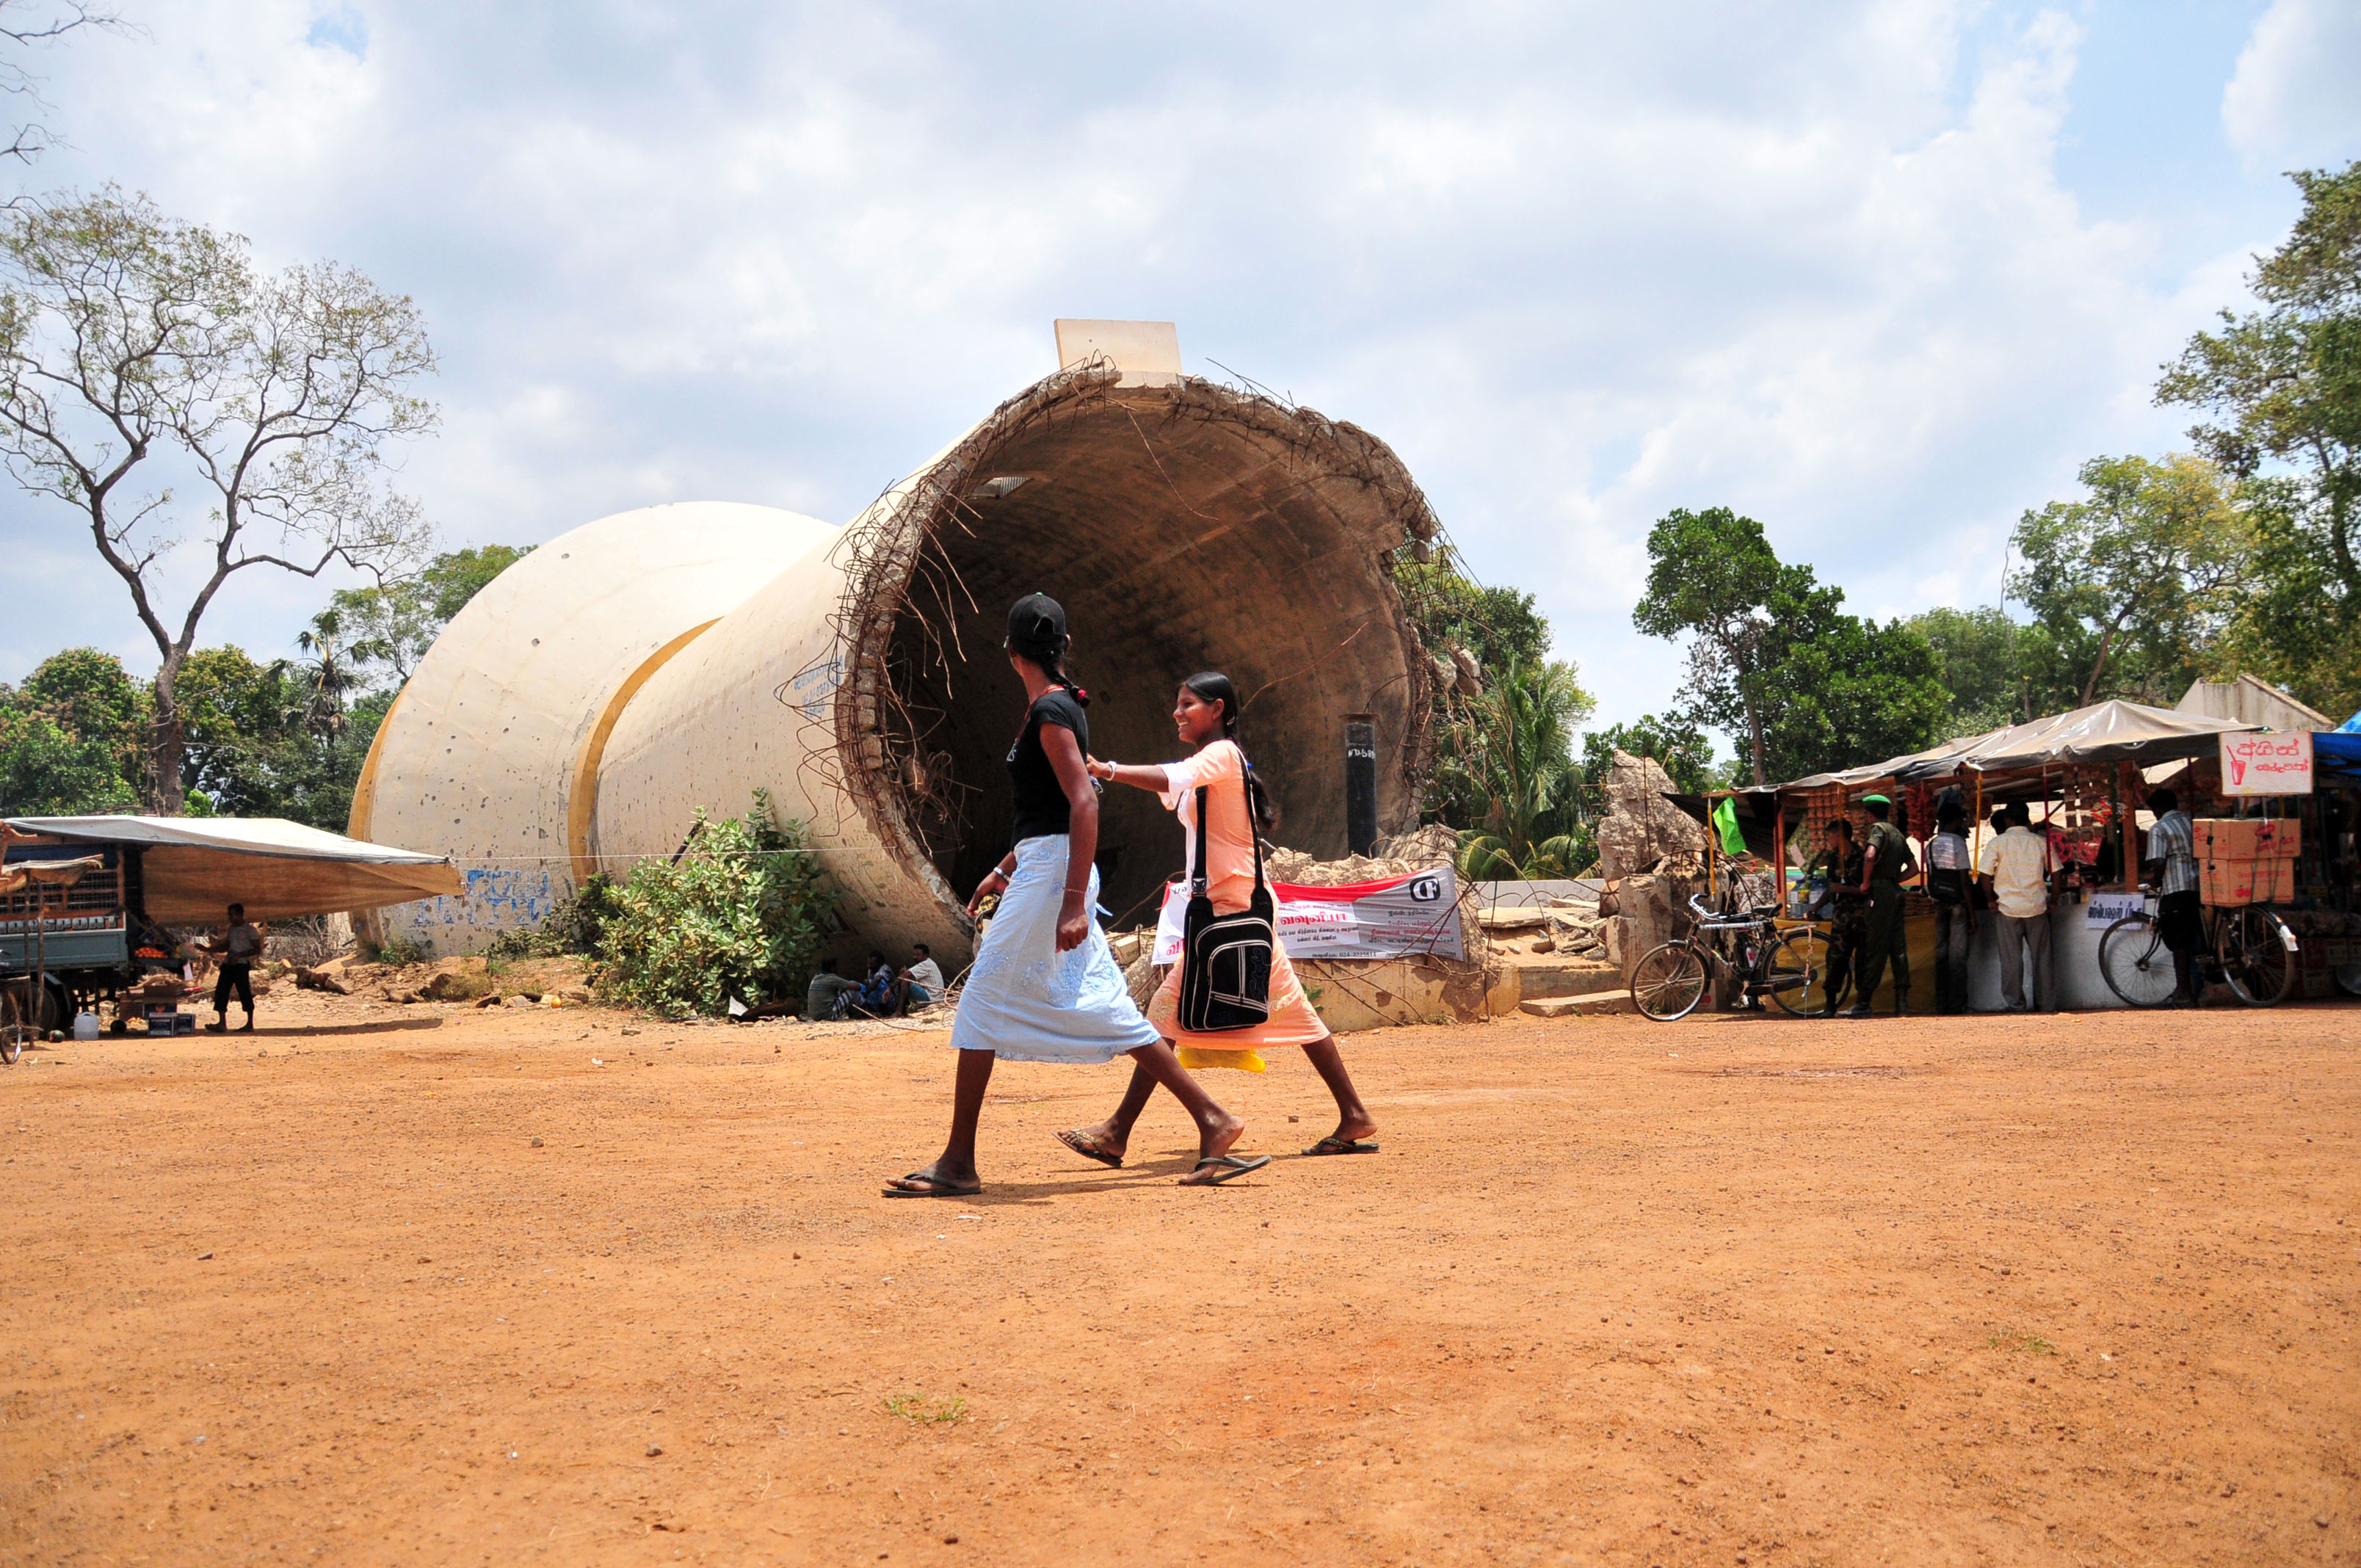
[
  {"x": 2253, "y": 838},
  {"x": 2225, "y": 884}
]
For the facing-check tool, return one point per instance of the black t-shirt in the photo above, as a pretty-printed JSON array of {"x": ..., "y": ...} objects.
[{"x": 1041, "y": 799}]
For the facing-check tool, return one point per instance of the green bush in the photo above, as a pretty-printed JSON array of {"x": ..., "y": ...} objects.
[
  {"x": 740, "y": 913},
  {"x": 402, "y": 951}
]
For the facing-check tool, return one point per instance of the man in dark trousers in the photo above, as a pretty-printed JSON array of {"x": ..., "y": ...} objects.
[
  {"x": 1951, "y": 884},
  {"x": 239, "y": 949},
  {"x": 2171, "y": 865},
  {"x": 1886, "y": 860}
]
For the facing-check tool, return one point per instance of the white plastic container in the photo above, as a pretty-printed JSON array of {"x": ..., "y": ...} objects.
[{"x": 85, "y": 1025}]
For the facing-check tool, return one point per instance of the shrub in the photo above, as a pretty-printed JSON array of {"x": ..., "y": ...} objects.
[
  {"x": 402, "y": 951},
  {"x": 739, "y": 913}
]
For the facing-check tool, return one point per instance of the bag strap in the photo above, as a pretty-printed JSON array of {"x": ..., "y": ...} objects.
[
  {"x": 1197, "y": 876},
  {"x": 1246, "y": 789},
  {"x": 1197, "y": 881}
]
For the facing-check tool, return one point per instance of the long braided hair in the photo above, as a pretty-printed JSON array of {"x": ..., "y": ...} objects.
[{"x": 1213, "y": 686}]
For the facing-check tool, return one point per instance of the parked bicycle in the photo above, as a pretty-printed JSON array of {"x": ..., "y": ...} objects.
[
  {"x": 1670, "y": 981},
  {"x": 2249, "y": 947}
]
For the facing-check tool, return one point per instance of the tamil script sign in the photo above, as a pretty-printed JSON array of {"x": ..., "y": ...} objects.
[
  {"x": 2269, "y": 764},
  {"x": 2106, "y": 908},
  {"x": 1390, "y": 919}
]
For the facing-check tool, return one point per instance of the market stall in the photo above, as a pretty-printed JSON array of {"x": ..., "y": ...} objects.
[
  {"x": 2083, "y": 775},
  {"x": 75, "y": 893}
]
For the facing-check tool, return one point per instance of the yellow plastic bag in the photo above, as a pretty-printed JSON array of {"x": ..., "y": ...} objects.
[{"x": 1197, "y": 1060}]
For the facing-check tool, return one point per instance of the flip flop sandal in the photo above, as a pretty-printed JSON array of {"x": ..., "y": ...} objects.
[
  {"x": 1232, "y": 1167},
  {"x": 936, "y": 1188},
  {"x": 1073, "y": 1140},
  {"x": 1334, "y": 1144}
]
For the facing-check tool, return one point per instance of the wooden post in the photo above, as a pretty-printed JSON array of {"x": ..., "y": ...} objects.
[
  {"x": 1779, "y": 849},
  {"x": 2125, "y": 807}
]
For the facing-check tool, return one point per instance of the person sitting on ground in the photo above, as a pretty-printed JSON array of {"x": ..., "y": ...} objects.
[
  {"x": 824, "y": 996},
  {"x": 925, "y": 978},
  {"x": 2172, "y": 864},
  {"x": 240, "y": 948},
  {"x": 883, "y": 995}
]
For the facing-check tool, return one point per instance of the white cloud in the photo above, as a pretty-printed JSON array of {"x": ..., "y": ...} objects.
[
  {"x": 1579, "y": 264},
  {"x": 2297, "y": 92}
]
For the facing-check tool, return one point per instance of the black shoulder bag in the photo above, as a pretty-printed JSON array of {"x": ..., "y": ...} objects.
[{"x": 1225, "y": 959}]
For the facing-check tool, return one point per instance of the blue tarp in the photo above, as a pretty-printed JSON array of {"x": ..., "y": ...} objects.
[
  {"x": 2337, "y": 751},
  {"x": 2351, "y": 726}
]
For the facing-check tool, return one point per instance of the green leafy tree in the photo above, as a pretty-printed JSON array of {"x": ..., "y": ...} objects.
[
  {"x": 131, "y": 344},
  {"x": 245, "y": 748},
  {"x": 1773, "y": 658},
  {"x": 1523, "y": 762},
  {"x": 740, "y": 913},
  {"x": 1855, "y": 691},
  {"x": 393, "y": 624},
  {"x": 1977, "y": 659},
  {"x": 1714, "y": 578},
  {"x": 2283, "y": 386},
  {"x": 2136, "y": 585},
  {"x": 71, "y": 736}
]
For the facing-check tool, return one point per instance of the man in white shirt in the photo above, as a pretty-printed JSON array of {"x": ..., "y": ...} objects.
[
  {"x": 924, "y": 977},
  {"x": 2014, "y": 873}
]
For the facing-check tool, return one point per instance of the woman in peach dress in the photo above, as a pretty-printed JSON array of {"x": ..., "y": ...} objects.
[{"x": 1206, "y": 717}]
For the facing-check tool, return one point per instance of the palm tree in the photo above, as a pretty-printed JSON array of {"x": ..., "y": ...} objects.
[
  {"x": 1523, "y": 762},
  {"x": 333, "y": 674}
]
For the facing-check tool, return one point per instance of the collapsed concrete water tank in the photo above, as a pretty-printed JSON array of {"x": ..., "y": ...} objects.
[{"x": 577, "y": 714}]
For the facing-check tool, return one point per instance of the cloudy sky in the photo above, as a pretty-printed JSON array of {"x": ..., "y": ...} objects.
[{"x": 1880, "y": 275}]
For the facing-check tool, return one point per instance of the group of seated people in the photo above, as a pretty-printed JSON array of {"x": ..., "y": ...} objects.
[{"x": 887, "y": 992}]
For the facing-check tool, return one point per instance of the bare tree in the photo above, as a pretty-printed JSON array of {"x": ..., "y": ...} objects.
[
  {"x": 28, "y": 23},
  {"x": 130, "y": 339}
]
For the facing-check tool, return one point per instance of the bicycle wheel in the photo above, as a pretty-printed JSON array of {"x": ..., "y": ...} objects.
[
  {"x": 2257, "y": 954},
  {"x": 1799, "y": 974},
  {"x": 2138, "y": 964},
  {"x": 1669, "y": 982},
  {"x": 12, "y": 1042}
]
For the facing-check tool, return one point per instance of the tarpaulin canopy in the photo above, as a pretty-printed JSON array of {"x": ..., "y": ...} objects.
[
  {"x": 2103, "y": 732},
  {"x": 191, "y": 868},
  {"x": 2337, "y": 751}
]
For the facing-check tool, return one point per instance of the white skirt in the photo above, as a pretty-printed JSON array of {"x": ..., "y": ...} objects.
[{"x": 1028, "y": 1001}]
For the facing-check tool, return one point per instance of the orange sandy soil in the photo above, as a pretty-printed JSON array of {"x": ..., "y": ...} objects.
[{"x": 2074, "y": 1290}]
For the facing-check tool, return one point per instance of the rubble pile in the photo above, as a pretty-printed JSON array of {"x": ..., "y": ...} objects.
[
  {"x": 1433, "y": 845},
  {"x": 1652, "y": 854}
]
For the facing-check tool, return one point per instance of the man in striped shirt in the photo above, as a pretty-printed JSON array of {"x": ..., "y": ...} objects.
[{"x": 2171, "y": 863}]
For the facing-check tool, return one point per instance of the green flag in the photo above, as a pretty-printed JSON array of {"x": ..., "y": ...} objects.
[{"x": 1725, "y": 822}]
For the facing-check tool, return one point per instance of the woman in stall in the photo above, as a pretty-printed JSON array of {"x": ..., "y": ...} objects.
[
  {"x": 1044, "y": 986},
  {"x": 1205, "y": 716}
]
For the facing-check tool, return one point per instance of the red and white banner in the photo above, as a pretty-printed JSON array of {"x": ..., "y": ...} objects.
[{"x": 1394, "y": 918}]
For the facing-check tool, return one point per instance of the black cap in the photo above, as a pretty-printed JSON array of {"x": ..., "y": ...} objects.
[{"x": 1037, "y": 626}]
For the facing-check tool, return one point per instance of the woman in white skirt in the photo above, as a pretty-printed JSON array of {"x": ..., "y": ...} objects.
[
  {"x": 1206, "y": 717},
  {"x": 1044, "y": 987}
]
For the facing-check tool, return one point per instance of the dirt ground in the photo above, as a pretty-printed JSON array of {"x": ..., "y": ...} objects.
[{"x": 419, "y": 1285}]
